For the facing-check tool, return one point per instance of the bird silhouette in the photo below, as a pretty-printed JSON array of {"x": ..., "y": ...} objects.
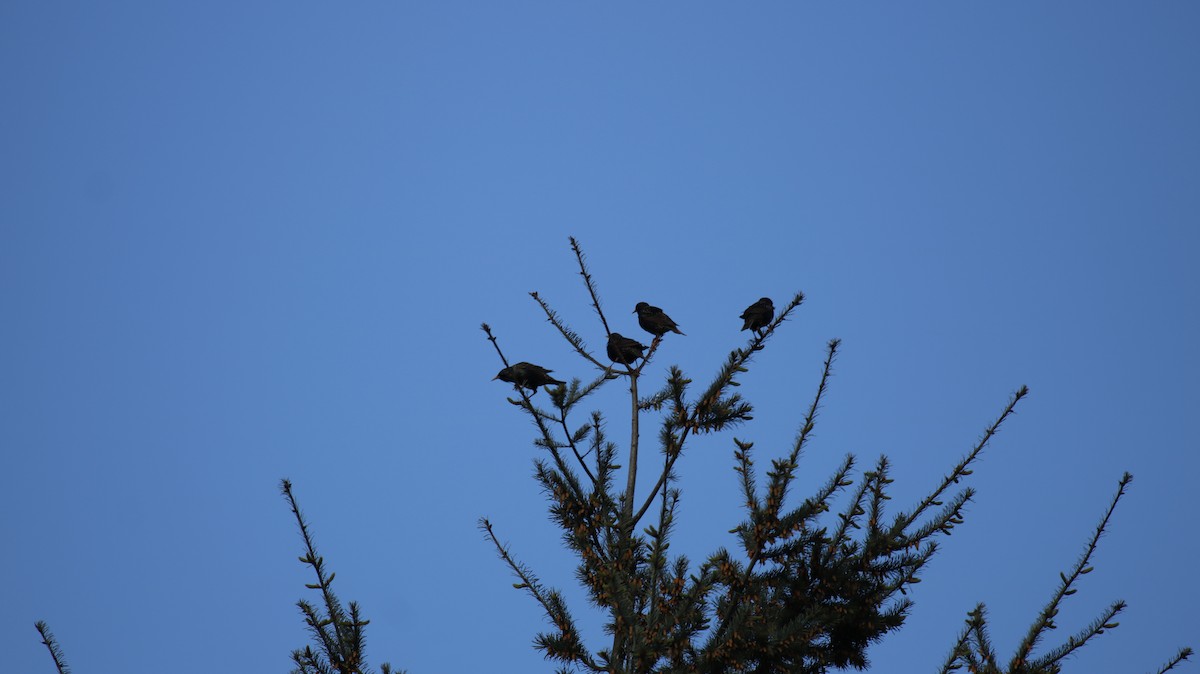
[
  {"x": 624, "y": 350},
  {"x": 654, "y": 321},
  {"x": 758, "y": 315},
  {"x": 527, "y": 375}
]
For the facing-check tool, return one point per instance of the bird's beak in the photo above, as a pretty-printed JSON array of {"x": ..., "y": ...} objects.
[{"x": 495, "y": 378}]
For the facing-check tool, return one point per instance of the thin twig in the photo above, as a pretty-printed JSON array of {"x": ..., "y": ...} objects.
[
  {"x": 960, "y": 647},
  {"x": 809, "y": 422},
  {"x": 52, "y": 645},
  {"x": 587, "y": 280},
  {"x": 1045, "y": 619},
  {"x": 571, "y": 336},
  {"x": 1183, "y": 654},
  {"x": 334, "y": 644},
  {"x": 531, "y": 583},
  {"x": 960, "y": 470},
  {"x": 528, "y": 580}
]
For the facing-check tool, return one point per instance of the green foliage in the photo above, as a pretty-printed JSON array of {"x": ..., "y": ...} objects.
[{"x": 813, "y": 584}]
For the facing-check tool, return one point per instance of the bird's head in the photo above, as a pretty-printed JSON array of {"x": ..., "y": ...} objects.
[{"x": 641, "y": 306}]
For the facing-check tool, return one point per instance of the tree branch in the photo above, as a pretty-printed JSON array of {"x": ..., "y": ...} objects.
[
  {"x": 51, "y": 644},
  {"x": 960, "y": 471},
  {"x": 1045, "y": 619}
]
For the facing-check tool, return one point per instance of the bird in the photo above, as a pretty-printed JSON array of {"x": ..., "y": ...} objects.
[
  {"x": 624, "y": 350},
  {"x": 527, "y": 375},
  {"x": 758, "y": 315},
  {"x": 654, "y": 321}
]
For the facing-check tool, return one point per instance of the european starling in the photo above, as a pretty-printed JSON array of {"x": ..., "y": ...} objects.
[
  {"x": 624, "y": 350},
  {"x": 758, "y": 315},
  {"x": 654, "y": 321},
  {"x": 527, "y": 375}
]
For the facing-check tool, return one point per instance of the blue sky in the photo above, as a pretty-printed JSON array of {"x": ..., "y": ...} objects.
[{"x": 240, "y": 243}]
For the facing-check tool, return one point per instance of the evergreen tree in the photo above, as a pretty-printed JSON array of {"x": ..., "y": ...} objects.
[
  {"x": 811, "y": 588},
  {"x": 814, "y": 582}
]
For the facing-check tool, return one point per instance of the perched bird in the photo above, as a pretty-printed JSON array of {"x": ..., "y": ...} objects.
[
  {"x": 758, "y": 315},
  {"x": 654, "y": 321},
  {"x": 624, "y": 350},
  {"x": 527, "y": 375}
]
